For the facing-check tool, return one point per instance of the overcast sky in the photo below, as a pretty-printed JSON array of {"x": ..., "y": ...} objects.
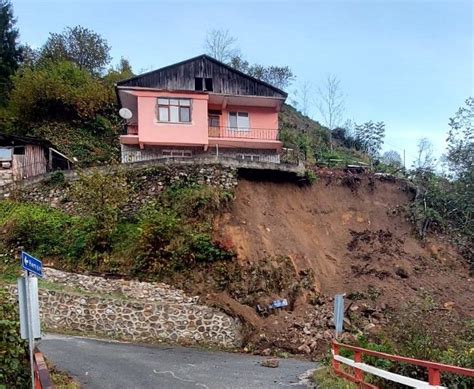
[{"x": 407, "y": 63}]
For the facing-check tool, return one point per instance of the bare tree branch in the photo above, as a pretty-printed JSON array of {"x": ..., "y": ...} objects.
[
  {"x": 221, "y": 45},
  {"x": 331, "y": 103},
  {"x": 303, "y": 99}
]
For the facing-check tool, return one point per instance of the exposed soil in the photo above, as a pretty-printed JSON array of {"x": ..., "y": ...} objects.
[{"x": 345, "y": 234}]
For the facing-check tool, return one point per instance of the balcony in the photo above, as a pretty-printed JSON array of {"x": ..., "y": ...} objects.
[
  {"x": 249, "y": 138},
  {"x": 130, "y": 137},
  {"x": 243, "y": 133}
]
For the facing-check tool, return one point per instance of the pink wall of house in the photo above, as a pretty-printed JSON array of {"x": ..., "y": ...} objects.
[
  {"x": 259, "y": 118},
  {"x": 263, "y": 122},
  {"x": 153, "y": 132}
]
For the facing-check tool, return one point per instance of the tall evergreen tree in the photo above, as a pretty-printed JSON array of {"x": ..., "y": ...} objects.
[{"x": 10, "y": 50}]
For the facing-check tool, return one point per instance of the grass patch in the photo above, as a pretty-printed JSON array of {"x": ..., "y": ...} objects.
[
  {"x": 326, "y": 379},
  {"x": 60, "y": 379}
]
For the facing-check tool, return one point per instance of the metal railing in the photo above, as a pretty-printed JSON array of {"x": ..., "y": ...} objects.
[
  {"x": 359, "y": 367},
  {"x": 243, "y": 133}
]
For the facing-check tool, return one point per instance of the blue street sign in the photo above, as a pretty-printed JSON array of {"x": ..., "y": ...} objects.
[{"x": 31, "y": 264}]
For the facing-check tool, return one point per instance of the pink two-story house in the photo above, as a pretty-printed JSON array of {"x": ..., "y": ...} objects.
[{"x": 200, "y": 106}]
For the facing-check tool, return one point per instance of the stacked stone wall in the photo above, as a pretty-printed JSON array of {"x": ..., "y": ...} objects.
[{"x": 131, "y": 310}]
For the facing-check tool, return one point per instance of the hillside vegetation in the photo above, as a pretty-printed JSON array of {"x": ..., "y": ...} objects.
[{"x": 260, "y": 242}]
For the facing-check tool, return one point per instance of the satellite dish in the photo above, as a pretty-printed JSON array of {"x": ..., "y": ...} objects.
[{"x": 125, "y": 113}]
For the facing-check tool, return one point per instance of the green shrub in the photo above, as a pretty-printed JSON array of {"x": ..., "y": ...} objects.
[
  {"x": 205, "y": 250},
  {"x": 310, "y": 176},
  {"x": 422, "y": 346},
  {"x": 419, "y": 333},
  {"x": 195, "y": 201},
  {"x": 57, "y": 90},
  {"x": 100, "y": 196},
  {"x": 383, "y": 347},
  {"x": 14, "y": 365},
  {"x": 164, "y": 242},
  {"x": 80, "y": 241},
  {"x": 56, "y": 179},
  {"x": 39, "y": 229},
  {"x": 172, "y": 234},
  {"x": 91, "y": 143}
]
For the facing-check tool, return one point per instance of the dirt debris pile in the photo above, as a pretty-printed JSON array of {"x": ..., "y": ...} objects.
[{"x": 340, "y": 235}]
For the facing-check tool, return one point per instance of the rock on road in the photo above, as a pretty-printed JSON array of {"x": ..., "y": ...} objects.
[{"x": 104, "y": 364}]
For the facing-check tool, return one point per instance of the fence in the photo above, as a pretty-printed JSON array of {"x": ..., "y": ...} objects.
[
  {"x": 42, "y": 377},
  {"x": 434, "y": 369},
  {"x": 243, "y": 133}
]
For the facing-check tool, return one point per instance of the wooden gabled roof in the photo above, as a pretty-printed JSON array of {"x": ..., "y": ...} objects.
[{"x": 225, "y": 79}]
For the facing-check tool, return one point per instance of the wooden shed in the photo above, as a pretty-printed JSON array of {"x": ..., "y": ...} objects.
[{"x": 23, "y": 157}]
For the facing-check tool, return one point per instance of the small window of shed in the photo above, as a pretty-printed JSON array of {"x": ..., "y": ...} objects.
[
  {"x": 198, "y": 84},
  {"x": 208, "y": 84},
  {"x": 19, "y": 150},
  {"x": 5, "y": 154}
]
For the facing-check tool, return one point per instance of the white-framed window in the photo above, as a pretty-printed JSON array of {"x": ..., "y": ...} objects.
[
  {"x": 5, "y": 154},
  {"x": 173, "y": 110},
  {"x": 239, "y": 121}
]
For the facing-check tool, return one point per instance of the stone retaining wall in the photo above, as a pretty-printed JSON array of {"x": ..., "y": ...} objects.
[
  {"x": 132, "y": 310},
  {"x": 6, "y": 176},
  {"x": 145, "y": 183}
]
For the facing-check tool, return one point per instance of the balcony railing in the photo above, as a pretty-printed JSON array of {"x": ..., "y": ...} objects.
[{"x": 243, "y": 133}]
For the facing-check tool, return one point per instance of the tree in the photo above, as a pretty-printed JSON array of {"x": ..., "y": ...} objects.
[
  {"x": 370, "y": 135},
  {"x": 10, "y": 50},
  {"x": 59, "y": 91},
  {"x": 392, "y": 158},
  {"x": 331, "y": 103},
  {"x": 78, "y": 44},
  {"x": 303, "y": 98},
  {"x": 221, "y": 45},
  {"x": 278, "y": 76},
  {"x": 460, "y": 157},
  {"x": 30, "y": 56},
  {"x": 460, "y": 140},
  {"x": 121, "y": 72},
  {"x": 424, "y": 161}
]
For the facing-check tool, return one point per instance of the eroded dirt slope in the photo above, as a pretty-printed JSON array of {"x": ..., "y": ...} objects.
[{"x": 352, "y": 234}]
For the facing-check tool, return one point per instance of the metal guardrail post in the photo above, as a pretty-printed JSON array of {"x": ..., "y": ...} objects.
[
  {"x": 434, "y": 376},
  {"x": 358, "y": 374},
  {"x": 335, "y": 364}
]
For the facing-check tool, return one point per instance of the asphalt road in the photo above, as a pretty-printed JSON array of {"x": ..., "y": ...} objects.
[{"x": 102, "y": 364}]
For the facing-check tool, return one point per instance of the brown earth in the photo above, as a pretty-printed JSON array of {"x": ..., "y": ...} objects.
[{"x": 345, "y": 234}]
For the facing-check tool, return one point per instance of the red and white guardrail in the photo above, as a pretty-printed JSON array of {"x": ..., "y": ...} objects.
[
  {"x": 434, "y": 369},
  {"x": 42, "y": 377}
]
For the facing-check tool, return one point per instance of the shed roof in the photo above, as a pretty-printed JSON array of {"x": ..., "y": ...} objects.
[{"x": 21, "y": 140}]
